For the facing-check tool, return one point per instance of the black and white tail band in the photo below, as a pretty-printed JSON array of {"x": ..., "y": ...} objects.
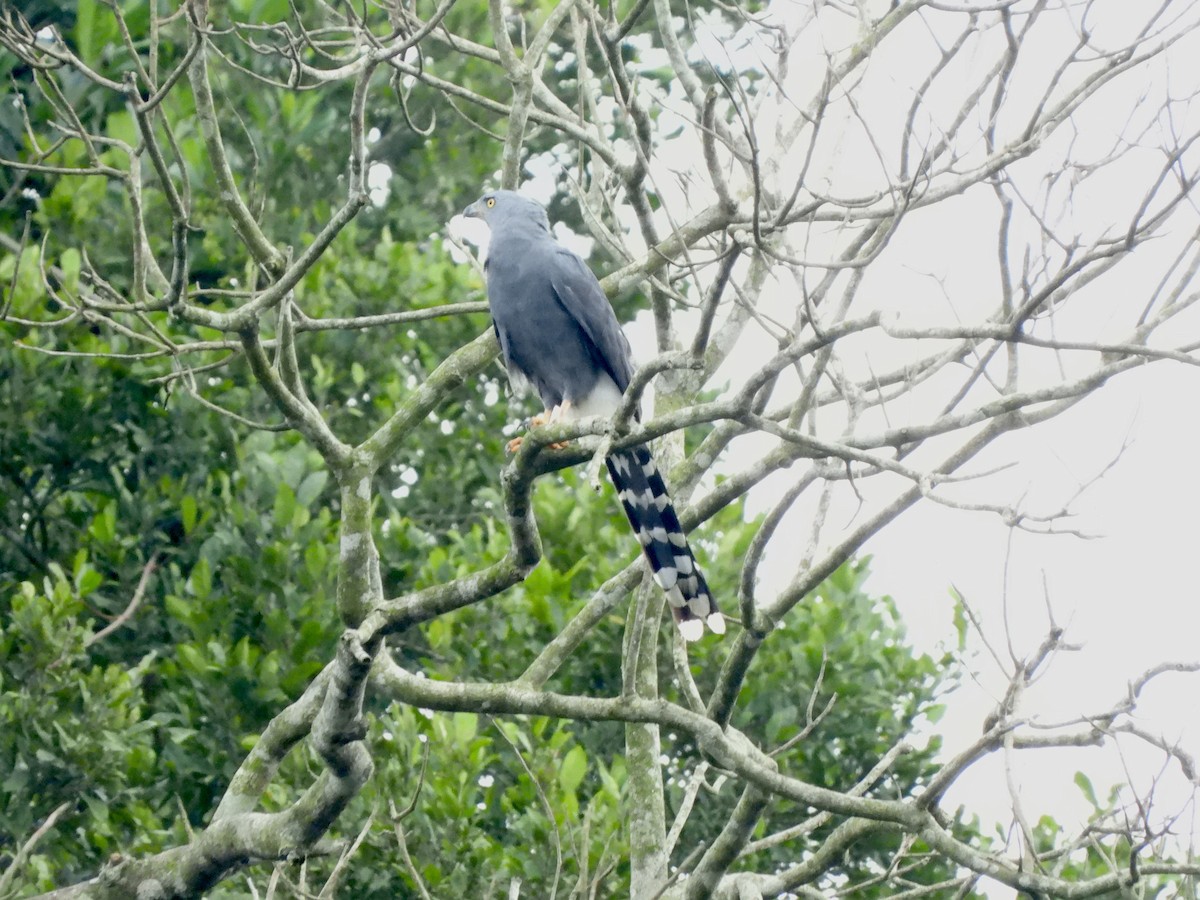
[{"x": 648, "y": 507}]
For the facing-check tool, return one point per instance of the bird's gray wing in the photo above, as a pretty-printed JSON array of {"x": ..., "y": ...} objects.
[
  {"x": 581, "y": 296},
  {"x": 517, "y": 379}
]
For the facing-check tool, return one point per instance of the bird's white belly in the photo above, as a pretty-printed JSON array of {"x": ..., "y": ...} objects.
[{"x": 602, "y": 400}]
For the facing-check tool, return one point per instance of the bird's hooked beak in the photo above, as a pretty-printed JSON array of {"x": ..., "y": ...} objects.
[{"x": 472, "y": 211}]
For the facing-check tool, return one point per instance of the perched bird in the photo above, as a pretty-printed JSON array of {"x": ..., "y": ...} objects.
[{"x": 559, "y": 334}]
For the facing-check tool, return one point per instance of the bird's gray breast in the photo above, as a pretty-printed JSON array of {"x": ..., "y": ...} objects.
[{"x": 543, "y": 344}]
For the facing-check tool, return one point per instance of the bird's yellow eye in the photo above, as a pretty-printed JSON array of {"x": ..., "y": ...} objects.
[{"x": 490, "y": 201}]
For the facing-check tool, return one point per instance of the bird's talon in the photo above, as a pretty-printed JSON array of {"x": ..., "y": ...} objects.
[
  {"x": 515, "y": 444},
  {"x": 549, "y": 417}
]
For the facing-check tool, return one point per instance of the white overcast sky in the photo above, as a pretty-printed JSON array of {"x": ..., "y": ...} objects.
[{"x": 1128, "y": 597}]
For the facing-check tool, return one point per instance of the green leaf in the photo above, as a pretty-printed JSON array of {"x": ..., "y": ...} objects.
[
  {"x": 70, "y": 262},
  {"x": 200, "y": 581},
  {"x": 104, "y": 524},
  {"x": 609, "y": 783},
  {"x": 190, "y": 658},
  {"x": 95, "y": 30},
  {"x": 465, "y": 727},
  {"x": 311, "y": 487},
  {"x": 285, "y": 505},
  {"x": 187, "y": 511},
  {"x": 1084, "y": 784},
  {"x": 120, "y": 125},
  {"x": 85, "y": 30},
  {"x": 178, "y": 608},
  {"x": 87, "y": 581},
  {"x": 315, "y": 559},
  {"x": 574, "y": 767}
]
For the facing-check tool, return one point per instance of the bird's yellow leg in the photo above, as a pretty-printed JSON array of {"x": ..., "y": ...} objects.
[{"x": 558, "y": 414}]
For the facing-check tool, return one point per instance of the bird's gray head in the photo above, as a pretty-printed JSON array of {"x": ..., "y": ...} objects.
[{"x": 502, "y": 207}]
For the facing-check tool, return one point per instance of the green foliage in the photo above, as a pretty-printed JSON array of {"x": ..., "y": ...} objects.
[{"x": 74, "y": 729}]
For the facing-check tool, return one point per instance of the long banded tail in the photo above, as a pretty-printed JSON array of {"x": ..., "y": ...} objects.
[{"x": 648, "y": 507}]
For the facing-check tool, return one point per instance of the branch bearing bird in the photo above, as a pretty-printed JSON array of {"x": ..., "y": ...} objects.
[{"x": 559, "y": 335}]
